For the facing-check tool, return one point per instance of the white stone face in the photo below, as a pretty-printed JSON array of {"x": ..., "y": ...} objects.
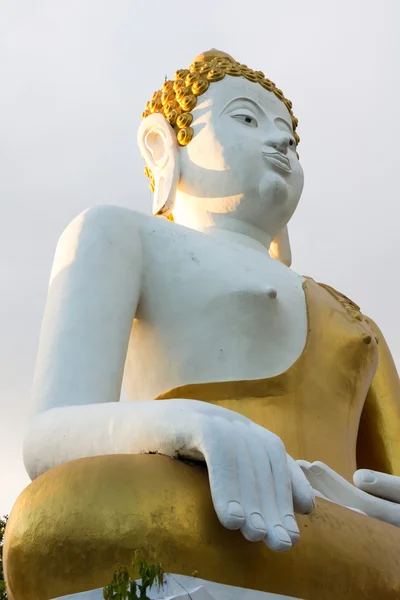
[{"x": 242, "y": 160}]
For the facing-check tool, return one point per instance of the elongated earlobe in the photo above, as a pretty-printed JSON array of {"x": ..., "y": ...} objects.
[
  {"x": 159, "y": 148},
  {"x": 280, "y": 247}
]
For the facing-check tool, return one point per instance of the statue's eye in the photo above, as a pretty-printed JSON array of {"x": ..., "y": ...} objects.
[{"x": 246, "y": 119}]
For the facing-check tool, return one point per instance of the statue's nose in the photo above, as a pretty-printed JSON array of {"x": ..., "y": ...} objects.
[{"x": 279, "y": 141}]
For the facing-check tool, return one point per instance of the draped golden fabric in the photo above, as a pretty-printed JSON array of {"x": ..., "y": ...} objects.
[
  {"x": 315, "y": 406},
  {"x": 378, "y": 444}
]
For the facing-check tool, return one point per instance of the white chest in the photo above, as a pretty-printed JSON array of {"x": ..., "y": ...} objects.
[{"x": 208, "y": 313}]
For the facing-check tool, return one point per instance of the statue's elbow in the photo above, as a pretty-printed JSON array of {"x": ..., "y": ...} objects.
[{"x": 36, "y": 446}]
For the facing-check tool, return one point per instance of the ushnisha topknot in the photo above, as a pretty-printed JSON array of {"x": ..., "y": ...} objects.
[{"x": 178, "y": 98}]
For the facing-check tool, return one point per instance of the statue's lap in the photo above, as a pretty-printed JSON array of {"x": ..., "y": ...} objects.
[{"x": 71, "y": 526}]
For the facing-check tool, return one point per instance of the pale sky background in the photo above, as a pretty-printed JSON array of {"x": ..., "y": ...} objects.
[{"x": 75, "y": 76}]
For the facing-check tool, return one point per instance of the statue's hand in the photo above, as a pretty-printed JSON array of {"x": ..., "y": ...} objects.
[
  {"x": 254, "y": 484},
  {"x": 378, "y": 484},
  {"x": 375, "y": 494}
]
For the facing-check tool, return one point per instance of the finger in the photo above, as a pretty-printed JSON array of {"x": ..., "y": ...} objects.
[
  {"x": 302, "y": 491},
  {"x": 382, "y": 485},
  {"x": 220, "y": 457},
  {"x": 329, "y": 483},
  {"x": 254, "y": 527},
  {"x": 303, "y": 463},
  {"x": 357, "y": 510},
  {"x": 277, "y": 537},
  {"x": 319, "y": 495},
  {"x": 337, "y": 489},
  {"x": 283, "y": 487}
]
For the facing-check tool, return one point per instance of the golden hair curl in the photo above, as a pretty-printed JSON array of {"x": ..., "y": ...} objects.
[{"x": 178, "y": 98}]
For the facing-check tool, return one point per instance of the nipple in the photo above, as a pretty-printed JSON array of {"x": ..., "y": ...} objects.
[{"x": 272, "y": 293}]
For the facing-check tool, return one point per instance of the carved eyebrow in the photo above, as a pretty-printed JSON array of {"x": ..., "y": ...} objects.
[
  {"x": 281, "y": 121},
  {"x": 258, "y": 109},
  {"x": 253, "y": 105}
]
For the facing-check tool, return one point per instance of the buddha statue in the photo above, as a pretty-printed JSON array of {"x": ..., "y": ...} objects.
[{"x": 260, "y": 443}]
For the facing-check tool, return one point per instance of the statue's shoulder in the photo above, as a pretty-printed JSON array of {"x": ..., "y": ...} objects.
[
  {"x": 105, "y": 218},
  {"x": 351, "y": 308},
  {"x": 104, "y": 226},
  {"x": 341, "y": 299},
  {"x": 339, "y": 296}
]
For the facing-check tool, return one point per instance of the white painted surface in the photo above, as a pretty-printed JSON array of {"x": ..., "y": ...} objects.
[
  {"x": 180, "y": 587},
  {"x": 209, "y": 304}
]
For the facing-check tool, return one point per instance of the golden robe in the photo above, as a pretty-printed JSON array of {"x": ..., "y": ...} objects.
[{"x": 339, "y": 403}]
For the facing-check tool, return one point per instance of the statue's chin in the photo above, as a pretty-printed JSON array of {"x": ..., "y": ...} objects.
[
  {"x": 273, "y": 184},
  {"x": 278, "y": 205}
]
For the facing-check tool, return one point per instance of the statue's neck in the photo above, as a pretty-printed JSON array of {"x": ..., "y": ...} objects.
[{"x": 222, "y": 226}]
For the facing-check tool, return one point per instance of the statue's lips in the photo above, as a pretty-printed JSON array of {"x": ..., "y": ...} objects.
[{"x": 278, "y": 159}]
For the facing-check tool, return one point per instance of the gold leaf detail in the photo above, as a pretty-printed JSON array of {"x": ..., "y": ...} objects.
[
  {"x": 191, "y": 78},
  {"x": 200, "y": 87},
  {"x": 196, "y": 66},
  {"x": 167, "y": 86},
  {"x": 172, "y": 117},
  {"x": 267, "y": 85},
  {"x": 188, "y": 102},
  {"x": 184, "y": 120},
  {"x": 181, "y": 73},
  {"x": 168, "y": 96},
  {"x": 182, "y": 92},
  {"x": 215, "y": 74},
  {"x": 185, "y": 136},
  {"x": 233, "y": 71}
]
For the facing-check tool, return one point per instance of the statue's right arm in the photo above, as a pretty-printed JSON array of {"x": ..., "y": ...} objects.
[
  {"x": 93, "y": 295},
  {"x": 92, "y": 299}
]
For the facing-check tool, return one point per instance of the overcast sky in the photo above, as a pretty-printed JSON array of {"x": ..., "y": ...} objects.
[{"x": 75, "y": 75}]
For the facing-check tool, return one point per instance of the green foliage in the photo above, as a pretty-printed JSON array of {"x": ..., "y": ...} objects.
[
  {"x": 3, "y": 592},
  {"x": 123, "y": 585}
]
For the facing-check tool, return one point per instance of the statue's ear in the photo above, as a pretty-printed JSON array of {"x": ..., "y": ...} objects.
[
  {"x": 159, "y": 148},
  {"x": 280, "y": 247}
]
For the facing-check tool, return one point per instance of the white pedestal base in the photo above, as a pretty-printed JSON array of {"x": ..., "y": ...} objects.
[{"x": 180, "y": 587}]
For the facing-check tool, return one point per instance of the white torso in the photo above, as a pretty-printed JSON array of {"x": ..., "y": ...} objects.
[{"x": 205, "y": 313}]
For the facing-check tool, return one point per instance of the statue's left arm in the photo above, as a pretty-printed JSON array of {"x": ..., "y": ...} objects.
[
  {"x": 378, "y": 443},
  {"x": 377, "y": 481}
]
